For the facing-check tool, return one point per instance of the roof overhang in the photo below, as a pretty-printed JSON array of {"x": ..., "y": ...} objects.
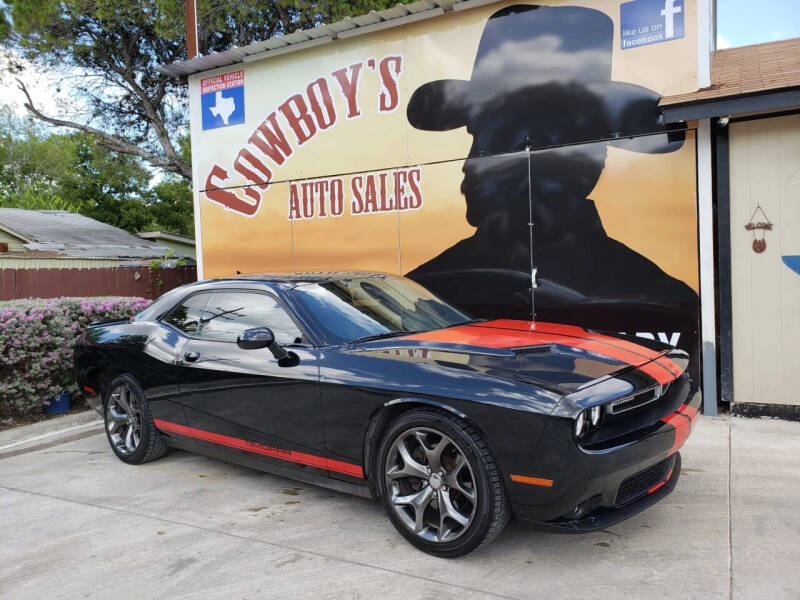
[
  {"x": 767, "y": 101},
  {"x": 17, "y": 235},
  {"x": 164, "y": 235},
  {"x": 348, "y": 27}
]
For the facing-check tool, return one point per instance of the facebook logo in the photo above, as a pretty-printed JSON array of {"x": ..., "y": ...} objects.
[{"x": 644, "y": 22}]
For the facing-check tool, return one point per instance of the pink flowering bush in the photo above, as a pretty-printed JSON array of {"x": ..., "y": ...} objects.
[{"x": 37, "y": 340}]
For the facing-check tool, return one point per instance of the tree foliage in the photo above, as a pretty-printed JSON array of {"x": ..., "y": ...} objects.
[
  {"x": 40, "y": 170},
  {"x": 116, "y": 45}
]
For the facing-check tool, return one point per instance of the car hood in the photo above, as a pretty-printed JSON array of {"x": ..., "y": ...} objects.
[{"x": 563, "y": 358}]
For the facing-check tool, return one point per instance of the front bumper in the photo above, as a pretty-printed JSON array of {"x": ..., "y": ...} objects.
[
  {"x": 606, "y": 517},
  {"x": 589, "y": 487}
]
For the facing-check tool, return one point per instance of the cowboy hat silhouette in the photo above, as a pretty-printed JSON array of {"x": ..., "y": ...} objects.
[
  {"x": 542, "y": 54},
  {"x": 542, "y": 82}
]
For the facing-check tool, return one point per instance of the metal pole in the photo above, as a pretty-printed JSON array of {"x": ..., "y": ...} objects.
[
  {"x": 191, "y": 29},
  {"x": 705, "y": 219},
  {"x": 530, "y": 232}
]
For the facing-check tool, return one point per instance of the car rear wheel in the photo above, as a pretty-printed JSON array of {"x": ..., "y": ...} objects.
[
  {"x": 439, "y": 484},
  {"x": 129, "y": 426}
]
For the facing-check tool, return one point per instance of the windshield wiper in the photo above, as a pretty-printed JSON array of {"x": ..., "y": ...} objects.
[
  {"x": 468, "y": 322},
  {"x": 381, "y": 336}
]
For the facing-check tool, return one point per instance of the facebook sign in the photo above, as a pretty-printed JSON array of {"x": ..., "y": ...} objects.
[{"x": 644, "y": 22}]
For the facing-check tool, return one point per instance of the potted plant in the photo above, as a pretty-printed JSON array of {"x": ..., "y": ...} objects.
[{"x": 59, "y": 404}]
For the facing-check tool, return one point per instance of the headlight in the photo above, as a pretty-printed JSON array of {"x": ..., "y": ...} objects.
[
  {"x": 581, "y": 424},
  {"x": 588, "y": 419},
  {"x": 595, "y": 414}
]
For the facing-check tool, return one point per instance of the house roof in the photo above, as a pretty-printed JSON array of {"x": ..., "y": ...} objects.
[
  {"x": 748, "y": 71},
  {"x": 165, "y": 235},
  {"x": 321, "y": 34},
  {"x": 65, "y": 233}
]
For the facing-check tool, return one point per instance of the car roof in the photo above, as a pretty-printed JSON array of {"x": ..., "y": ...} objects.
[
  {"x": 295, "y": 278},
  {"x": 276, "y": 281}
]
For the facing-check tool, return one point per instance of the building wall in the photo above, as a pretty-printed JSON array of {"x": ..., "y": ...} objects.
[
  {"x": 179, "y": 248},
  {"x": 765, "y": 171},
  {"x": 440, "y": 48},
  {"x": 14, "y": 243},
  {"x": 473, "y": 150}
]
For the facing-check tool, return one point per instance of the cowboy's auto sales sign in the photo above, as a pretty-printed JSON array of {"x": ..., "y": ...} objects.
[
  {"x": 396, "y": 149},
  {"x": 298, "y": 120}
]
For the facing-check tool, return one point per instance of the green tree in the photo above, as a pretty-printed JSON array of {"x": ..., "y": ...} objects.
[
  {"x": 172, "y": 207},
  {"x": 40, "y": 170},
  {"x": 5, "y": 22},
  {"x": 118, "y": 44}
]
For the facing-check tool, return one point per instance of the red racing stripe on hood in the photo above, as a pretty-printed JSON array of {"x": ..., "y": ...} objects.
[
  {"x": 558, "y": 329},
  {"x": 506, "y": 333}
]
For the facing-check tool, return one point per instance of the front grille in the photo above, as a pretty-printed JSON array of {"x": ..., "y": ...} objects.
[
  {"x": 639, "y": 399},
  {"x": 638, "y": 483}
]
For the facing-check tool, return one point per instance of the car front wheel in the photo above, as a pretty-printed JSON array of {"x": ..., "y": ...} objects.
[{"x": 439, "y": 484}]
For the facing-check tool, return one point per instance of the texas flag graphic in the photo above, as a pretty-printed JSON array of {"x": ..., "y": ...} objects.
[{"x": 222, "y": 100}]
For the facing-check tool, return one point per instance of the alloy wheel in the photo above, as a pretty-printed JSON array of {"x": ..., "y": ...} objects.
[
  {"x": 124, "y": 420},
  {"x": 431, "y": 485}
]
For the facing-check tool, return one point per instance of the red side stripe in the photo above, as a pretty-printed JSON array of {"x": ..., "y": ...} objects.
[{"x": 302, "y": 458}]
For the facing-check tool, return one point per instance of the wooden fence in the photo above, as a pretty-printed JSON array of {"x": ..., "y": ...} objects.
[{"x": 144, "y": 282}]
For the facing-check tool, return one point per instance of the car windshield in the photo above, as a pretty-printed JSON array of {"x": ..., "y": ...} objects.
[{"x": 352, "y": 309}]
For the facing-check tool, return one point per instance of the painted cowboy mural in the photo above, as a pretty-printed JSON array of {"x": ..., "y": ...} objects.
[{"x": 542, "y": 80}]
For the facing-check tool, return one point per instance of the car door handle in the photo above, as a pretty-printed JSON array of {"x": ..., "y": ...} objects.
[{"x": 191, "y": 356}]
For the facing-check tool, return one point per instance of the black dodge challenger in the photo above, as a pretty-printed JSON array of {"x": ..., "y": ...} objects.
[{"x": 367, "y": 383}]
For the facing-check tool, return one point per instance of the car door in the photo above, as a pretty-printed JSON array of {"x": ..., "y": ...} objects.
[{"x": 245, "y": 402}]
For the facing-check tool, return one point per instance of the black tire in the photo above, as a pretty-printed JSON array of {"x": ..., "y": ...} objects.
[
  {"x": 151, "y": 444},
  {"x": 490, "y": 507}
]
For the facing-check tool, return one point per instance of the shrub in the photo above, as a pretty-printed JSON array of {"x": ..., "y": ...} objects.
[{"x": 37, "y": 340}]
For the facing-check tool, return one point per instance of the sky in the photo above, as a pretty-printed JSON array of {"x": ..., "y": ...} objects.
[
  {"x": 44, "y": 87},
  {"x": 745, "y": 22}
]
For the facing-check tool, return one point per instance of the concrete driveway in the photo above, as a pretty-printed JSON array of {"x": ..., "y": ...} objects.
[{"x": 75, "y": 522}]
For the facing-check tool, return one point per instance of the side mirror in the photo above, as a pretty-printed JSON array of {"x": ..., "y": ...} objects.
[{"x": 260, "y": 337}]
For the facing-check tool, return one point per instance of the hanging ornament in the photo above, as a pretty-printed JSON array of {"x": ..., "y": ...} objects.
[{"x": 759, "y": 229}]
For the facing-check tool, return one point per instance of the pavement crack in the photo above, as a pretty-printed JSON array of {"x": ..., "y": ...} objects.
[
  {"x": 228, "y": 534},
  {"x": 43, "y": 446},
  {"x": 73, "y": 452}
]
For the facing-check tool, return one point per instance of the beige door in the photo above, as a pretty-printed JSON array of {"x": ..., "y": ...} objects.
[{"x": 765, "y": 170}]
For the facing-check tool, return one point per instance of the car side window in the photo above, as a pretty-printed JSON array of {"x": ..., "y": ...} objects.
[
  {"x": 187, "y": 316},
  {"x": 228, "y": 314}
]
